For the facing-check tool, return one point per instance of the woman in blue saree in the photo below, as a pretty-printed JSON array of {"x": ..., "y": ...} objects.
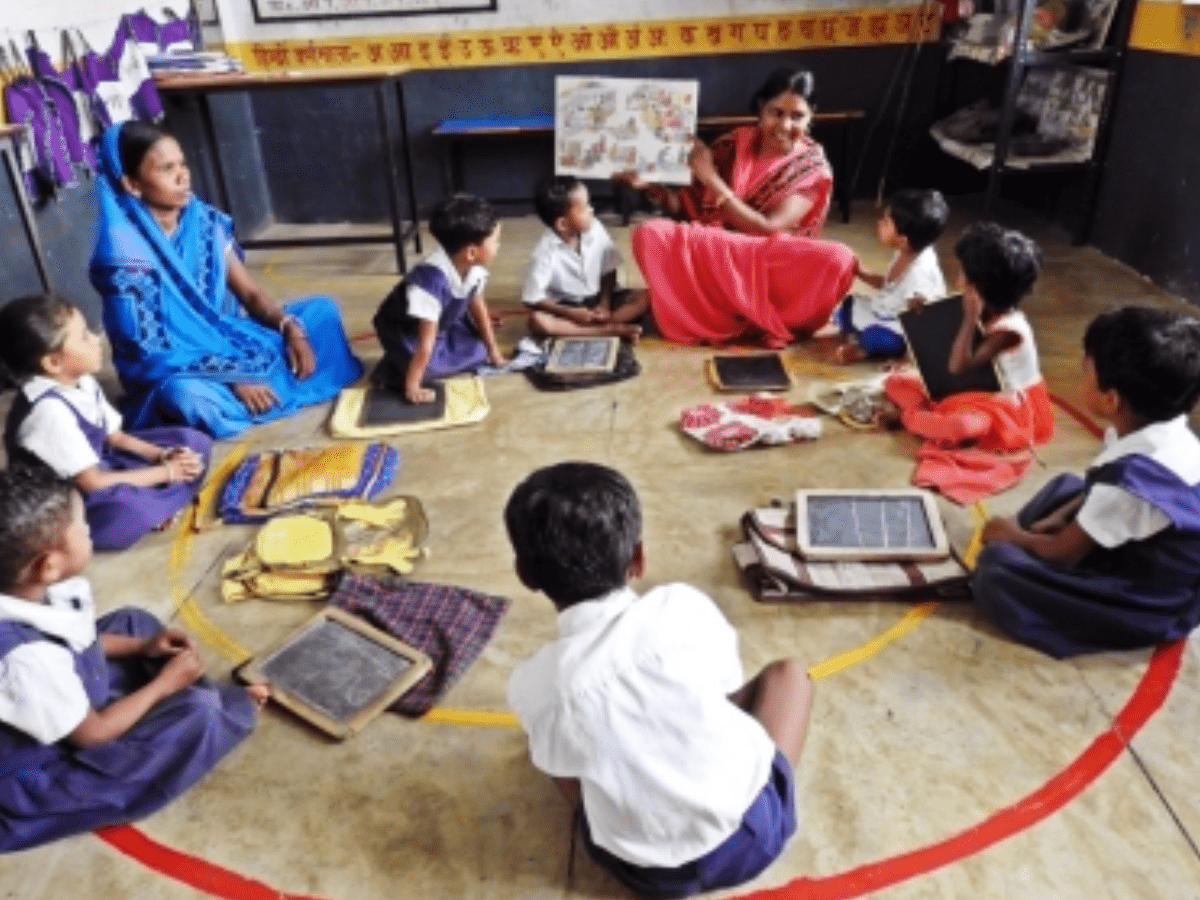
[{"x": 194, "y": 339}]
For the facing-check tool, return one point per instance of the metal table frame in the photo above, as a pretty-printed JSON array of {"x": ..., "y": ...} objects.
[{"x": 16, "y": 180}]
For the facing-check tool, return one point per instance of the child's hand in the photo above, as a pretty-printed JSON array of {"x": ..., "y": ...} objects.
[
  {"x": 581, "y": 315},
  {"x": 1000, "y": 529},
  {"x": 182, "y": 670},
  {"x": 419, "y": 394},
  {"x": 916, "y": 301},
  {"x": 601, "y": 312},
  {"x": 972, "y": 306},
  {"x": 183, "y": 464},
  {"x": 498, "y": 359},
  {"x": 168, "y": 642}
]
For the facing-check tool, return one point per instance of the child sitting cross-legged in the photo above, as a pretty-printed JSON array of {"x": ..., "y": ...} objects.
[
  {"x": 680, "y": 773},
  {"x": 435, "y": 322},
  {"x": 101, "y": 721},
  {"x": 571, "y": 287},
  {"x": 131, "y": 482},
  {"x": 998, "y": 268},
  {"x": 910, "y": 224},
  {"x": 1112, "y": 561}
]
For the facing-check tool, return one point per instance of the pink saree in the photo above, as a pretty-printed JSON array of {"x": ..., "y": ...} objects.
[
  {"x": 764, "y": 185},
  {"x": 712, "y": 286}
]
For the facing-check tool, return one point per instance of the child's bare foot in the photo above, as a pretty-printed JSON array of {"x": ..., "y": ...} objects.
[
  {"x": 167, "y": 524},
  {"x": 887, "y": 417},
  {"x": 260, "y": 693}
]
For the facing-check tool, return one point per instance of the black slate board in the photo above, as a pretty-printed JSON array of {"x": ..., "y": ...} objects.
[
  {"x": 930, "y": 331},
  {"x": 387, "y": 407},
  {"x": 756, "y": 372}
]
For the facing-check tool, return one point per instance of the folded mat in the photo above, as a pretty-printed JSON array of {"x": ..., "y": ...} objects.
[
  {"x": 450, "y": 624},
  {"x": 466, "y": 402},
  {"x": 770, "y": 561}
]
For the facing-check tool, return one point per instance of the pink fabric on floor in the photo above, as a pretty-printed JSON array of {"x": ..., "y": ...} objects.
[
  {"x": 965, "y": 475},
  {"x": 711, "y": 286}
]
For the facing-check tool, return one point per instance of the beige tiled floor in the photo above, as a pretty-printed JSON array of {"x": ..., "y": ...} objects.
[{"x": 920, "y": 743}]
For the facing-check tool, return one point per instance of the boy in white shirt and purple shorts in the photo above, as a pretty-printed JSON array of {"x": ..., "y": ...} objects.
[{"x": 680, "y": 773}]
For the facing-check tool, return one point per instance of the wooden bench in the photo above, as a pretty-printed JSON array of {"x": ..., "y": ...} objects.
[{"x": 459, "y": 132}]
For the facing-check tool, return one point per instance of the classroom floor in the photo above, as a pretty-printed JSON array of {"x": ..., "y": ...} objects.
[{"x": 943, "y": 761}]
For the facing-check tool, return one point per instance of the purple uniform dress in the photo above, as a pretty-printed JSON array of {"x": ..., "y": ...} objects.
[
  {"x": 458, "y": 346},
  {"x": 119, "y": 514},
  {"x": 1134, "y": 595},
  {"x": 49, "y": 791}
]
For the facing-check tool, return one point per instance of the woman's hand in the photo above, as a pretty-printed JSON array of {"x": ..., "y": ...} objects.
[
  {"x": 631, "y": 179},
  {"x": 258, "y": 398},
  {"x": 700, "y": 161},
  {"x": 168, "y": 642},
  {"x": 301, "y": 360}
]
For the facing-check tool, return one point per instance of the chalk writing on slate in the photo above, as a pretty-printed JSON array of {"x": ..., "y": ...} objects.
[
  {"x": 869, "y": 522},
  {"x": 335, "y": 669}
]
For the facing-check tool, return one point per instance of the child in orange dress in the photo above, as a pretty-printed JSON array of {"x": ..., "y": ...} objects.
[{"x": 998, "y": 267}]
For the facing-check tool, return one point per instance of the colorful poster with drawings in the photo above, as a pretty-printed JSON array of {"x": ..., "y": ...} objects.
[{"x": 608, "y": 125}]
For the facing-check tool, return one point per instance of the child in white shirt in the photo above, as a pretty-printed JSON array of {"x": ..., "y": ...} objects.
[
  {"x": 681, "y": 774},
  {"x": 571, "y": 286},
  {"x": 870, "y": 325}
]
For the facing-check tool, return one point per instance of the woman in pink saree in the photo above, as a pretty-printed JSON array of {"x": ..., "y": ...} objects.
[{"x": 739, "y": 256}]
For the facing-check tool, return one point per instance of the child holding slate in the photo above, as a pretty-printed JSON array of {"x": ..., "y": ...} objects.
[
  {"x": 910, "y": 224},
  {"x": 435, "y": 322},
  {"x": 101, "y": 721},
  {"x": 998, "y": 268},
  {"x": 131, "y": 482},
  {"x": 1112, "y": 561},
  {"x": 571, "y": 288},
  {"x": 680, "y": 773}
]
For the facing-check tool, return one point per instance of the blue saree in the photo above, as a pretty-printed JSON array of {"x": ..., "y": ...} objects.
[{"x": 180, "y": 338}]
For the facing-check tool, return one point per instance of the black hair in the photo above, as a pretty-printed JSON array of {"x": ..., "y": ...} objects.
[
  {"x": 552, "y": 197},
  {"x": 134, "y": 142},
  {"x": 918, "y": 216},
  {"x": 460, "y": 221},
  {"x": 1151, "y": 357},
  {"x": 1000, "y": 263},
  {"x": 574, "y": 528},
  {"x": 35, "y": 510},
  {"x": 783, "y": 81},
  {"x": 30, "y": 327}
]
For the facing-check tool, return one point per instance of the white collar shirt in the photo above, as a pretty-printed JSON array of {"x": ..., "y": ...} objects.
[
  {"x": 632, "y": 700},
  {"x": 1112, "y": 516},
  {"x": 424, "y": 305},
  {"x": 51, "y": 432},
  {"x": 561, "y": 274},
  {"x": 40, "y": 691}
]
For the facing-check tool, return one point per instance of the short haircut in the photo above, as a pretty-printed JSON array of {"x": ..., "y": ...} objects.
[
  {"x": 783, "y": 81},
  {"x": 919, "y": 216},
  {"x": 552, "y": 197},
  {"x": 574, "y": 528},
  {"x": 30, "y": 327},
  {"x": 35, "y": 510},
  {"x": 1151, "y": 357},
  {"x": 134, "y": 142},
  {"x": 460, "y": 221},
  {"x": 1002, "y": 264}
]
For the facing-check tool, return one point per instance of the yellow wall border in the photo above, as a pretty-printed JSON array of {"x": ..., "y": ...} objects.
[
  {"x": 628, "y": 40},
  {"x": 1166, "y": 28}
]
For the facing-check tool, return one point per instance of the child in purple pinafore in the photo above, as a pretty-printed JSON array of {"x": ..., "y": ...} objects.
[
  {"x": 131, "y": 483},
  {"x": 101, "y": 721},
  {"x": 1112, "y": 561},
  {"x": 436, "y": 322}
]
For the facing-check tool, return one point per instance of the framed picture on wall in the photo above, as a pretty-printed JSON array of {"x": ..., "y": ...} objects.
[
  {"x": 206, "y": 12},
  {"x": 293, "y": 10}
]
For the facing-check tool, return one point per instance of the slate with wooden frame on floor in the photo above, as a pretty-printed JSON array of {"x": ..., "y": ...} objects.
[
  {"x": 583, "y": 355},
  {"x": 861, "y": 524},
  {"x": 337, "y": 671}
]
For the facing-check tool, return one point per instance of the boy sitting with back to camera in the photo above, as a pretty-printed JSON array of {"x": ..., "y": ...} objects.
[
  {"x": 1112, "y": 561},
  {"x": 681, "y": 775},
  {"x": 571, "y": 288},
  {"x": 870, "y": 325},
  {"x": 435, "y": 322}
]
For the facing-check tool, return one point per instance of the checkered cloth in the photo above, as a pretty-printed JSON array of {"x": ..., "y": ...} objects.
[{"x": 451, "y": 624}]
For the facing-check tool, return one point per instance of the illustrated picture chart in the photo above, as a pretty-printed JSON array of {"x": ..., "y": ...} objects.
[{"x": 608, "y": 125}]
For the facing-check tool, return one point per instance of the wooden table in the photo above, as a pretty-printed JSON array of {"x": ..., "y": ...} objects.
[
  {"x": 198, "y": 87},
  {"x": 459, "y": 131},
  {"x": 9, "y": 135}
]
